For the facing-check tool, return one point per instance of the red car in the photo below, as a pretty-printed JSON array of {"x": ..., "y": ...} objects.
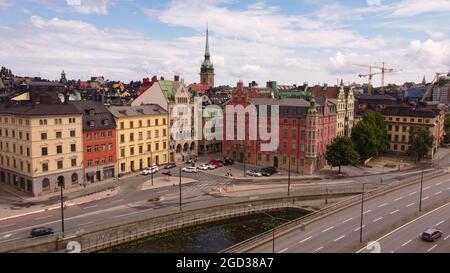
[{"x": 216, "y": 163}]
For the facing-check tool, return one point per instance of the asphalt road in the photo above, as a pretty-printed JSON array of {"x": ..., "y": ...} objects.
[
  {"x": 340, "y": 232},
  {"x": 407, "y": 238}
]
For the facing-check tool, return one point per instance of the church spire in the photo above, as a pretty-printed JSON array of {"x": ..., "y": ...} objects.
[
  {"x": 207, "y": 67},
  {"x": 207, "y": 53}
]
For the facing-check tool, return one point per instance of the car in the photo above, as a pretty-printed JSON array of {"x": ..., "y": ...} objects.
[
  {"x": 204, "y": 167},
  {"x": 190, "y": 170},
  {"x": 431, "y": 234},
  {"x": 212, "y": 166},
  {"x": 227, "y": 162},
  {"x": 265, "y": 173},
  {"x": 253, "y": 173},
  {"x": 216, "y": 163},
  {"x": 150, "y": 170},
  {"x": 271, "y": 170},
  {"x": 41, "y": 231},
  {"x": 191, "y": 161},
  {"x": 170, "y": 166}
]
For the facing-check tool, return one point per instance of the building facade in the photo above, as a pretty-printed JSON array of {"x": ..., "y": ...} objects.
[
  {"x": 99, "y": 141},
  {"x": 142, "y": 137},
  {"x": 400, "y": 119},
  {"x": 41, "y": 147}
]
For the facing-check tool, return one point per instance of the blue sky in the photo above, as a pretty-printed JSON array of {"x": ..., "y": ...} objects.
[{"x": 290, "y": 41}]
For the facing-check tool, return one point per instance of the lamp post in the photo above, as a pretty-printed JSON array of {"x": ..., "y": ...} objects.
[
  {"x": 180, "y": 189},
  {"x": 421, "y": 191},
  {"x": 151, "y": 161},
  {"x": 273, "y": 229},
  {"x": 289, "y": 177},
  {"x": 362, "y": 211},
  {"x": 62, "y": 206}
]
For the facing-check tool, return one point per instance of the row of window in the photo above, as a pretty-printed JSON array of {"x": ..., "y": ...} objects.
[
  {"x": 14, "y": 163},
  {"x": 97, "y": 161},
  {"x": 59, "y": 149},
  {"x": 141, "y": 135},
  {"x": 59, "y": 164},
  {"x": 57, "y": 121},
  {"x": 419, "y": 120},
  {"x": 98, "y": 149},
  {"x": 58, "y": 135},
  {"x": 5, "y": 132},
  {"x": 98, "y": 135},
  {"x": 141, "y": 149},
  {"x": 5, "y": 148},
  {"x": 140, "y": 123},
  {"x": 13, "y": 121}
]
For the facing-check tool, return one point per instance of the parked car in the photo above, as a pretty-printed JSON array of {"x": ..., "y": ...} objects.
[
  {"x": 211, "y": 166},
  {"x": 271, "y": 170},
  {"x": 41, "y": 231},
  {"x": 216, "y": 163},
  {"x": 253, "y": 173},
  {"x": 190, "y": 170},
  {"x": 204, "y": 167},
  {"x": 170, "y": 166},
  {"x": 191, "y": 161},
  {"x": 150, "y": 170},
  {"x": 227, "y": 162},
  {"x": 265, "y": 173},
  {"x": 431, "y": 234}
]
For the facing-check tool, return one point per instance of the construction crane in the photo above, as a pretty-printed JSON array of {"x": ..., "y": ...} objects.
[
  {"x": 431, "y": 86},
  {"x": 383, "y": 69}
]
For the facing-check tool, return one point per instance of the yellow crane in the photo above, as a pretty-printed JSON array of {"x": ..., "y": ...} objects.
[{"x": 430, "y": 88}]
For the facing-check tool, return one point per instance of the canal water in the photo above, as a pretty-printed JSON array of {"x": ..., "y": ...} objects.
[{"x": 208, "y": 238}]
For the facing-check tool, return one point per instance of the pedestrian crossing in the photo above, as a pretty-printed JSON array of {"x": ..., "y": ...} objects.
[{"x": 207, "y": 186}]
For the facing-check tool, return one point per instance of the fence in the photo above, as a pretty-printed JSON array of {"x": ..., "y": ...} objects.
[{"x": 303, "y": 221}]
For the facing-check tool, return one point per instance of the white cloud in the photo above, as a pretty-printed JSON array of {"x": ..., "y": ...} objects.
[
  {"x": 430, "y": 54},
  {"x": 99, "y": 7},
  {"x": 409, "y": 8},
  {"x": 5, "y": 3}
]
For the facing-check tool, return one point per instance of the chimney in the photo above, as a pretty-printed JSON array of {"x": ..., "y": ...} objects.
[
  {"x": 162, "y": 78},
  {"x": 145, "y": 81},
  {"x": 176, "y": 78},
  {"x": 239, "y": 85},
  {"x": 154, "y": 79}
]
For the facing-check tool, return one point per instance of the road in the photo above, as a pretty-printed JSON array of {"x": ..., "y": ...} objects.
[
  {"x": 406, "y": 239},
  {"x": 340, "y": 232}
]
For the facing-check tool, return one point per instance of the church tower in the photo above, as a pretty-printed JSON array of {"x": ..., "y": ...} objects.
[
  {"x": 207, "y": 68},
  {"x": 63, "y": 77}
]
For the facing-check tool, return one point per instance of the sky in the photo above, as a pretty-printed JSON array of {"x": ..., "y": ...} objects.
[{"x": 289, "y": 41}]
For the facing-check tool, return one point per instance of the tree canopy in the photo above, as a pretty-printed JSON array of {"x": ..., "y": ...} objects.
[
  {"x": 420, "y": 142},
  {"x": 341, "y": 153},
  {"x": 370, "y": 135}
]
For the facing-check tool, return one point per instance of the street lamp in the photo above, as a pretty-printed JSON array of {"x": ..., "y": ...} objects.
[
  {"x": 180, "y": 189},
  {"x": 421, "y": 191},
  {"x": 61, "y": 184},
  {"x": 151, "y": 162},
  {"x": 273, "y": 229},
  {"x": 362, "y": 211},
  {"x": 289, "y": 177}
]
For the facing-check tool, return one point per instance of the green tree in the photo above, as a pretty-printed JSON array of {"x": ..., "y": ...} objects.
[
  {"x": 420, "y": 142},
  {"x": 341, "y": 153},
  {"x": 447, "y": 129},
  {"x": 370, "y": 135}
]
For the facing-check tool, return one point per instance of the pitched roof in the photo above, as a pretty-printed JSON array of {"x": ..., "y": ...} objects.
[
  {"x": 169, "y": 89},
  {"x": 100, "y": 116},
  {"x": 39, "y": 109},
  {"x": 281, "y": 102},
  {"x": 328, "y": 91},
  {"x": 129, "y": 111},
  {"x": 408, "y": 111}
]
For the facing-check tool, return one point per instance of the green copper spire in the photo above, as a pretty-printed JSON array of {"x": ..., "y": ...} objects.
[{"x": 207, "y": 66}]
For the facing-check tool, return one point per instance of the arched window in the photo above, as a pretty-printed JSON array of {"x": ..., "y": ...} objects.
[
  {"x": 74, "y": 178},
  {"x": 45, "y": 184}
]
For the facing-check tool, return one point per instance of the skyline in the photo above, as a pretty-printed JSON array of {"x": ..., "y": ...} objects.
[{"x": 294, "y": 42}]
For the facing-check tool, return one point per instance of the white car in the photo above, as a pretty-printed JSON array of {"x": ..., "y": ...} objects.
[
  {"x": 211, "y": 166},
  {"x": 190, "y": 170},
  {"x": 204, "y": 167},
  {"x": 253, "y": 173},
  {"x": 150, "y": 170}
]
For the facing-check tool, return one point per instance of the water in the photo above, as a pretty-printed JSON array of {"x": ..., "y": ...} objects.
[{"x": 208, "y": 238}]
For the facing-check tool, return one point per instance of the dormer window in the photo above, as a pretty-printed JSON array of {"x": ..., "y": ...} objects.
[
  {"x": 91, "y": 123},
  {"x": 91, "y": 112},
  {"x": 105, "y": 122}
]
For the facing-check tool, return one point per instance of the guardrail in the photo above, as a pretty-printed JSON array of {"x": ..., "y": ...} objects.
[
  {"x": 170, "y": 218},
  {"x": 302, "y": 221}
]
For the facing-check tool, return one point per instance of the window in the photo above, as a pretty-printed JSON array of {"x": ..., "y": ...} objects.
[
  {"x": 97, "y": 162},
  {"x": 74, "y": 178},
  {"x": 60, "y": 164},
  {"x": 140, "y": 124},
  {"x": 72, "y": 133},
  {"x": 58, "y": 135},
  {"x": 157, "y": 133},
  {"x": 156, "y": 146},
  {"x": 156, "y": 122},
  {"x": 103, "y": 134},
  {"x": 103, "y": 147},
  {"x": 44, "y": 151},
  {"x": 110, "y": 134},
  {"x": 131, "y": 136},
  {"x": 96, "y": 148},
  {"x": 43, "y": 136},
  {"x": 122, "y": 126},
  {"x": 122, "y": 167},
  {"x": 140, "y": 136},
  {"x": 131, "y": 150},
  {"x": 73, "y": 148},
  {"x": 164, "y": 121},
  {"x": 73, "y": 162},
  {"x": 44, "y": 167},
  {"x": 122, "y": 152},
  {"x": 45, "y": 184},
  {"x": 104, "y": 160},
  {"x": 90, "y": 163},
  {"x": 148, "y": 123},
  {"x": 122, "y": 138},
  {"x": 28, "y": 151},
  {"x": 110, "y": 146},
  {"x": 111, "y": 159},
  {"x": 59, "y": 149},
  {"x": 140, "y": 150},
  {"x": 149, "y": 134},
  {"x": 131, "y": 124}
]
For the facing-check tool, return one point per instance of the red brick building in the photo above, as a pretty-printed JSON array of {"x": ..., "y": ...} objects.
[
  {"x": 305, "y": 129},
  {"x": 99, "y": 141}
]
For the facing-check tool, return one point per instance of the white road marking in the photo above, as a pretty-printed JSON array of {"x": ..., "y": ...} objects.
[
  {"x": 378, "y": 219},
  {"x": 440, "y": 222},
  {"x": 283, "y": 250},
  {"x": 320, "y": 248},
  {"x": 400, "y": 198},
  {"x": 127, "y": 214},
  {"x": 412, "y": 193},
  {"x": 117, "y": 201},
  {"x": 83, "y": 224},
  {"x": 367, "y": 211},
  {"x": 45, "y": 217},
  {"x": 437, "y": 184},
  {"x": 330, "y": 228},
  {"x": 349, "y": 219},
  {"x": 407, "y": 243},
  {"x": 395, "y": 211},
  {"x": 433, "y": 247},
  {"x": 162, "y": 191},
  {"x": 9, "y": 225},
  {"x": 304, "y": 240},
  {"x": 382, "y": 205},
  {"x": 426, "y": 188},
  {"x": 359, "y": 228},
  {"x": 337, "y": 239},
  {"x": 425, "y": 198},
  {"x": 439, "y": 192},
  {"x": 8, "y": 235},
  {"x": 412, "y": 204},
  {"x": 447, "y": 237},
  {"x": 93, "y": 206}
]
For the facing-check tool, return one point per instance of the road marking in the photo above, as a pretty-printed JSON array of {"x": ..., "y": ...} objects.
[
  {"x": 162, "y": 191},
  {"x": 448, "y": 188},
  {"x": 88, "y": 223},
  {"x": 349, "y": 219},
  {"x": 412, "y": 193},
  {"x": 304, "y": 240},
  {"x": 433, "y": 247},
  {"x": 9, "y": 225},
  {"x": 117, "y": 201},
  {"x": 45, "y": 217},
  {"x": 395, "y": 211},
  {"x": 397, "y": 229},
  {"x": 412, "y": 204},
  {"x": 439, "y": 192},
  {"x": 320, "y": 248},
  {"x": 382, "y": 205},
  {"x": 447, "y": 237},
  {"x": 91, "y": 207},
  {"x": 127, "y": 214},
  {"x": 330, "y": 228},
  {"x": 378, "y": 219},
  {"x": 437, "y": 184},
  {"x": 425, "y": 198},
  {"x": 8, "y": 235},
  {"x": 359, "y": 228},
  {"x": 426, "y": 188},
  {"x": 400, "y": 198},
  {"x": 406, "y": 243},
  {"x": 337, "y": 239},
  {"x": 283, "y": 250},
  {"x": 440, "y": 222},
  {"x": 367, "y": 211}
]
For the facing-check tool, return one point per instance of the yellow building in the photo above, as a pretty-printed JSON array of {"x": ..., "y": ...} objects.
[
  {"x": 40, "y": 147},
  {"x": 142, "y": 137},
  {"x": 400, "y": 118}
]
